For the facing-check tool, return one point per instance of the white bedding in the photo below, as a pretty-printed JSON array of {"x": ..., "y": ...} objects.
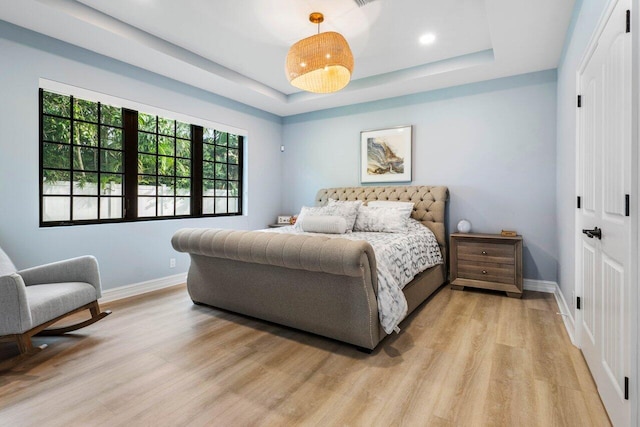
[{"x": 399, "y": 257}]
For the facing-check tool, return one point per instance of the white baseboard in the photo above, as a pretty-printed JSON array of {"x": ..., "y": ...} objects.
[
  {"x": 553, "y": 288},
  {"x": 569, "y": 323},
  {"x": 142, "y": 288},
  {"x": 540, "y": 286}
]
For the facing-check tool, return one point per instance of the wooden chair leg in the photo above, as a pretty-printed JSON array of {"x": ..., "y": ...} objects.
[{"x": 24, "y": 343}]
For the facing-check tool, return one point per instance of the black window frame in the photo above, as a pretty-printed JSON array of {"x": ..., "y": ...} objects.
[{"x": 130, "y": 173}]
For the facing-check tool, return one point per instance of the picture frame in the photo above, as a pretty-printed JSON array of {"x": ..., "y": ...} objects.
[{"x": 386, "y": 155}]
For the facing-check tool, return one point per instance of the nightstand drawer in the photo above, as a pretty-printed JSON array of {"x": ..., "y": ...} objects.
[
  {"x": 487, "y": 271},
  {"x": 486, "y": 252}
]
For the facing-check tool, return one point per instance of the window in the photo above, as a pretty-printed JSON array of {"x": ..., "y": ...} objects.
[{"x": 101, "y": 163}]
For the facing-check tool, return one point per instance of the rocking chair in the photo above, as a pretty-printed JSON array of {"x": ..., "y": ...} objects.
[{"x": 31, "y": 300}]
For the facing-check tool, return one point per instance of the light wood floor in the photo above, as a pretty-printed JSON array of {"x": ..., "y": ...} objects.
[{"x": 465, "y": 358}]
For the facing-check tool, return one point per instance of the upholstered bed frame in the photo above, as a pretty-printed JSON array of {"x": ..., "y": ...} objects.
[{"x": 321, "y": 285}]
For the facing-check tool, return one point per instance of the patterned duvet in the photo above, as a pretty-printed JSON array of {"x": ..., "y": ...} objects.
[{"x": 399, "y": 257}]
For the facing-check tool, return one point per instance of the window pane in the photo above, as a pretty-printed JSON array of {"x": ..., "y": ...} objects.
[
  {"x": 58, "y": 105},
  {"x": 221, "y": 138},
  {"x": 208, "y": 152},
  {"x": 110, "y": 115},
  {"x": 166, "y": 126},
  {"x": 166, "y": 186},
  {"x": 85, "y": 110},
  {"x": 234, "y": 140},
  {"x": 221, "y": 205},
  {"x": 56, "y": 130},
  {"x": 183, "y": 187},
  {"x": 221, "y": 154},
  {"x": 56, "y": 208},
  {"x": 209, "y": 135},
  {"x": 183, "y": 206},
  {"x": 183, "y": 130},
  {"x": 146, "y": 122},
  {"x": 56, "y": 156},
  {"x": 147, "y": 164},
  {"x": 233, "y": 188},
  {"x": 85, "y": 208},
  {"x": 234, "y": 205},
  {"x": 233, "y": 156},
  {"x": 221, "y": 188},
  {"x": 111, "y": 161},
  {"x": 85, "y": 159},
  {"x": 208, "y": 188},
  {"x": 85, "y": 183},
  {"x": 207, "y": 205},
  {"x": 146, "y": 206},
  {"x": 166, "y": 206},
  {"x": 147, "y": 186},
  {"x": 233, "y": 173},
  {"x": 221, "y": 171},
  {"x": 166, "y": 146},
  {"x": 147, "y": 143},
  {"x": 183, "y": 148},
  {"x": 85, "y": 134},
  {"x": 56, "y": 182},
  {"x": 165, "y": 166},
  {"x": 111, "y": 138},
  {"x": 208, "y": 170},
  {"x": 110, "y": 207},
  {"x": 183, "y": 167},
  {"x": 111, "y": 185}
]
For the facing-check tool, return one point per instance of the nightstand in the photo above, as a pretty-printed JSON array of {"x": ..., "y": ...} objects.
[
  {"x": 277, "y": 225},
  {"x": 487, "y": 261}
]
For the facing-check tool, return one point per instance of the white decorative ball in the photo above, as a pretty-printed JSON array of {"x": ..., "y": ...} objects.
[{"x": 464, "y": 226}]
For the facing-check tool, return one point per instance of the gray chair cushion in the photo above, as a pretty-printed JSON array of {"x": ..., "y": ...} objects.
[
  {"x": 6, "y": 266},
  {"x": 46, "y": 302}
]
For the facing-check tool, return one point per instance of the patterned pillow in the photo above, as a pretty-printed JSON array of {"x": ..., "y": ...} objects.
[
  {"x": 346, "y": 209},
  {"x": 387, "y": 220},
  {"x": 405, "y": 207}
]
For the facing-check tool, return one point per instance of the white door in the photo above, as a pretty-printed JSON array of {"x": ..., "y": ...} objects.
[{"x": 604, "y": 172}]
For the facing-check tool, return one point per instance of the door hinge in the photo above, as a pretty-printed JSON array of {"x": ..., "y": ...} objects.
[
  {"x": 579, "y": 101},
  {"x": 579, "y": 202},
  {"x": 626, "y": 205},
  {"x": 578, "y": 303},
  {"x": 628, "y": 21},
  {"x": 626, "y": 388}
]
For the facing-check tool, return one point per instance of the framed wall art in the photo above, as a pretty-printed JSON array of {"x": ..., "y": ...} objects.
[{"x": 385, "y": 155}]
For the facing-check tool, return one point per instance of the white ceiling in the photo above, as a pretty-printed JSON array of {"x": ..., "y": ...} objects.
[{"x": 237, "y": 48}]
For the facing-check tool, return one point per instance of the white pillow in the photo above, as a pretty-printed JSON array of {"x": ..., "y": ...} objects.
[
  {"x": 310, "y": 211},
  {"x": 387, "y": 220},
  {"x": 328, "y": 224},
  {"x": 346, "y": 209},
  {"x": 406, "y": 207}
]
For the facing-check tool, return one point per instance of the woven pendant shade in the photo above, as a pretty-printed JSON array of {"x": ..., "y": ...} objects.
[{"x": 322, "y": 63}]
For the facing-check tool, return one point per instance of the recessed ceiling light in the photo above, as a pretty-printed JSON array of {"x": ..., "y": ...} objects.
[{"x": 427, "y": 38}]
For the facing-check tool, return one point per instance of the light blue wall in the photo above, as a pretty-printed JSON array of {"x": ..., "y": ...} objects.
[
  {"x": 585, "y": 18},
  {"x": 132, "y": 252},
  {"x": 492, "y": 143}
]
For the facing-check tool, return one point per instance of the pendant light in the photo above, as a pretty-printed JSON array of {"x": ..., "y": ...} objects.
[{"x": 322, "y": 63}]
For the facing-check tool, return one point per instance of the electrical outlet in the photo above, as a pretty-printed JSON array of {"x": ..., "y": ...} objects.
[{"x": 172, "y": 263}]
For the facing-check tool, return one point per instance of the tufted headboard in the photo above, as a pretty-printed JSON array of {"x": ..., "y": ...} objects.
[{"x": 429, "y": 202}]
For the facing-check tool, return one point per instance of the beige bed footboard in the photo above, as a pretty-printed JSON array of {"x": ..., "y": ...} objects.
[{"x": 314, "y": 283}]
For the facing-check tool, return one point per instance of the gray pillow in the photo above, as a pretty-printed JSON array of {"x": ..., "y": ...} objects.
[
  {"x": 387, "y": 220},
  {"x": 346, "y": 209},
  {"x": 328, "y": 224}
]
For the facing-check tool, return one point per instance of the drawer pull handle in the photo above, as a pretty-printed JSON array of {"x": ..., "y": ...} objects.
[
  {"x": 484, "y": 271},
  {"x": 484, "y": 252}
]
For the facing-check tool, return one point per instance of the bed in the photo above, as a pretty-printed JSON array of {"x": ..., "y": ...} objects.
[{"x": 327, "y": 286}]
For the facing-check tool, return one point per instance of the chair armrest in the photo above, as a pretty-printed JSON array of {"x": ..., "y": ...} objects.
[
  {"x": 15, "y": 316},
  {"x": 81, "y": 269}
]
